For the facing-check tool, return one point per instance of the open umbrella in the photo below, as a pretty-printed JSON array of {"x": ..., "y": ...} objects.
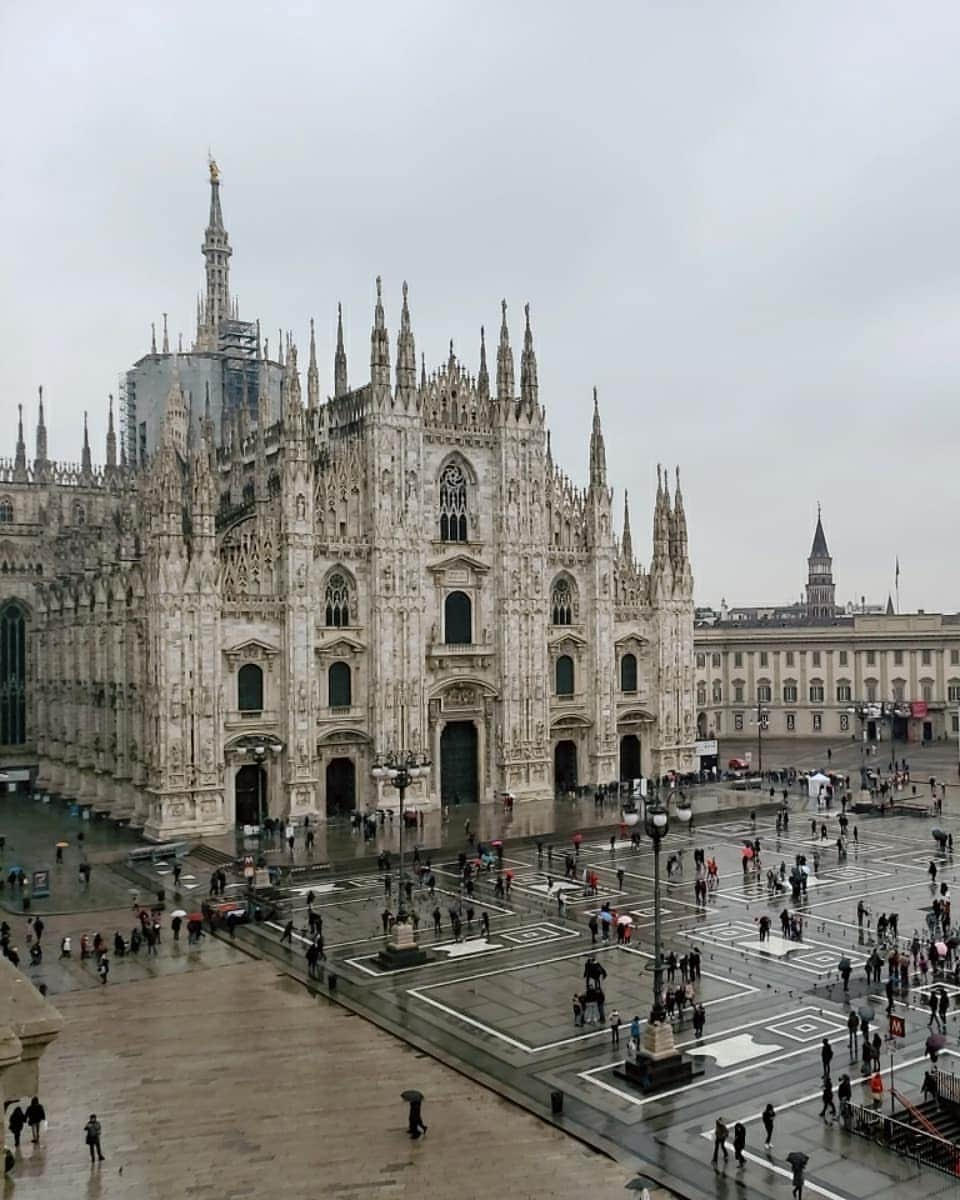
[
  {"x": 195, "y": 917},
  {"x": 496, "y": 842},
  {"x": 865, "y": 1012},
  {"x": 844, "y": 964},
  {"x": 179, "y": 912},
  {"x": 748, "y": 852},
  {"x": 797, "y": 1159},
  {"x": 935, "y": 1042},
  {"x": 62, "y": 845},
  {"x": 941, "y": 948},
  {"x": 625, "y": 920},
  {"x": 411, "y": 1095},
  {"x": 937, "y": 833}
]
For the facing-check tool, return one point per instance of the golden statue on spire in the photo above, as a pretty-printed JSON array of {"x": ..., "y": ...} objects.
[{"x": 214, "y": 169}]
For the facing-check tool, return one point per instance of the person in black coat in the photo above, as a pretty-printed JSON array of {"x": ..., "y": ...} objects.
[
  {"x": 739, "y": 1142},
  {"x": 16, "y": 1123},
  {"x": 35, "y": 1117}
]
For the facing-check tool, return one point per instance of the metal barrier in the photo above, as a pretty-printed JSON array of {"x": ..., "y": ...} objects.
[
  {"x": 906, "y": 1140},
  {"x": 948, "y": 1086}
]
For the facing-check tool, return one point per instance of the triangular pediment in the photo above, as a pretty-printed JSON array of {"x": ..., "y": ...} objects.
[
  {"x": 459, "y": 562},
  {"x": 343, "y": 643},
  {"x": 568, "y": 637},
  {"x": 252, "y": 648},
  {"x": 634, "y": 637}
]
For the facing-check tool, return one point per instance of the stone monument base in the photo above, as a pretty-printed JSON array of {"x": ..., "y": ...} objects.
[{"x": 658, "y": 1064}]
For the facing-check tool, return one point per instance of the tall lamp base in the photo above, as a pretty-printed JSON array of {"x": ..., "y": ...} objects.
[
  {"x": 402, "y": 949},
  {"x": 658, "y": 1063}
]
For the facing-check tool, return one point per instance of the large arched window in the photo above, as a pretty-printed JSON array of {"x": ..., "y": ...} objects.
[
  {"x": 628, "y": 673},
  {"x": 457, "y": 619},
  {"x": 562, "y": 603},
  {"x": 6, "y": 510},
  {"x": 339, "y": 685},
  {"x": 564, "y": 675},
  {"x": 13, "y": 676},
  {"x": 453, "y": 504},
  {"x": 79, "y": 514},
  {"x": 337, "y": 601},
  {"x": 250, "y": 688}
]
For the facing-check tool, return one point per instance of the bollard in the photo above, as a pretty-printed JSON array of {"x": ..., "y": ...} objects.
[
  {"x": 556, "y": 1103},
  {"x": 332, "y": 982}
]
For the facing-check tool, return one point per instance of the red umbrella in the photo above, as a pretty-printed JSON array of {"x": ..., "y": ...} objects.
[{"x": 496, "y": 842}]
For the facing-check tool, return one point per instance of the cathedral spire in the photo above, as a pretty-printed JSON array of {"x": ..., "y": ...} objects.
[
  {"x": 340, "y": 386},
  {"x": 528, "y": 366},
  {"x": 406, "y": 356},
  {"x": 313, "y": 374},
  {"x": 598, "y": 453},
  {"x": 504, "y": 359},
  {"x": 20, "y": 462},
  {"x": 153, "y": 337},
  {"x": 216, "y": 251},
  {"x": 379, "y": 345},
  {"x": 627, "y": 538},
  {"x": 40, "y": 461},
  {"x": 423, "y": 370},
  {"x": 166, "y": 336},
  {"x": 111, "y": 437},
  {"x": 86, "y": 462},
  {"x": 483, "y": 378}
]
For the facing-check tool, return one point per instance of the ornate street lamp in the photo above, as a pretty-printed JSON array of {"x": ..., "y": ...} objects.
[
  {"x": 400, "y": 770},
  {"x": 658, "y": 1062}
]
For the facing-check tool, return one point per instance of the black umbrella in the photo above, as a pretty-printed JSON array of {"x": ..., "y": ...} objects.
[
  {"x": 640, "y": 1184},
  {"x": 411, "y": 1095},
  {"x": 797, "y": 1159},
  {"x": 843, "y": 964},
  {"x": 866, "y": 1013},
  {"x": 935, "y": 1042}
]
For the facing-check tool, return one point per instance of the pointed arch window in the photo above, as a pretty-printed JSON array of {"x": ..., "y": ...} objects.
[
  {"x": 564, "y": 675},
  {"x": 13, "y": 676},
  {"x": 337, "y": 602},
  {"x": 562, "y": 603},
  {"x": 6, "y": 511},
  {"x": 453, "y": 504},
  {"x": 79, "y": 514},
  {"x": 628, "y": 673}
]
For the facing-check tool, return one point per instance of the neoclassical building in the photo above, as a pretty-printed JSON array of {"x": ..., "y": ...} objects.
[
  {"x": 813, "y": 669},
  {"x": 256, "y": 596}
]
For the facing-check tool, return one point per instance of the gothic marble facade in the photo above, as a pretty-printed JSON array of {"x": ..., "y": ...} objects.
[{"x": 284, "y": 589}]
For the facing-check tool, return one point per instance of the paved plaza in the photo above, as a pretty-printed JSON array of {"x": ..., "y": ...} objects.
[{"x": 498, "y": 1008}]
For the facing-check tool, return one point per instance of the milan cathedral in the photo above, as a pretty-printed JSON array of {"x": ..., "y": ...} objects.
[{"x": 254, "y": 597}]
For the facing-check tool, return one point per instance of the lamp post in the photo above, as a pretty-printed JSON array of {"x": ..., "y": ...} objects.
[
  {"x": 658, "y": 1036},
  {"x": 762, "y": 723},
  {"x": 400, "y": 770}
]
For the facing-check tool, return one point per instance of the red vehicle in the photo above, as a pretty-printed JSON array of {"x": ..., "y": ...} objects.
[{"x": 738, "y": 764}]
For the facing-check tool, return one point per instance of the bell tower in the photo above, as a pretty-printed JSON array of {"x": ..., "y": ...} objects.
[{"x": 821, "y": 591}]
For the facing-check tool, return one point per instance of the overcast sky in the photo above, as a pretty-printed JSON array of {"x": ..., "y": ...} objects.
[{"x": 737, "y": 220}]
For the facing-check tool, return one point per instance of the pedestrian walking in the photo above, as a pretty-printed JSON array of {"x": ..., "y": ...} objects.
[
  {"x": 827, "y": 1098},
  {"x": 16, "y": 1123},
  {"x": 826, "y": 1057},
  {"x": 36, "y": 1116},
  {"x": 103, "y": 968},
  {"x": 287, "y": 935},
  {"x": 415, "y": 1124},
  {"x": 798, "y": 1179},
  {"x": 767, "y": 1117},
  {"x": 92, "y": 1133},
  {"x": 720, "y": 1133},
  {"x": 739, "y": 1143},
  {"x": 615, "y": 1028}
]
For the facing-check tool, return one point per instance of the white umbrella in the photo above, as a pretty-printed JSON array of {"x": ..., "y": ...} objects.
[
  {"x": 179, "y": 912},
  {"x": 625, "y": 920}
]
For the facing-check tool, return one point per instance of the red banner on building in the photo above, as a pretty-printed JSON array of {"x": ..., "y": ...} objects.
[{"x": 918, "y": 708}]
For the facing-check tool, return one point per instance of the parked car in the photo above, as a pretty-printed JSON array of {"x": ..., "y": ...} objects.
[{"x": 738, "y": 764}]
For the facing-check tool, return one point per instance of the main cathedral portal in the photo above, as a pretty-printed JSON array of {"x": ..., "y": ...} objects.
[{"x": 458, "y": 763}]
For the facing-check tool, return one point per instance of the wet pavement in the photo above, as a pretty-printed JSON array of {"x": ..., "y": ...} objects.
[{"x": 499, "y": 1009}]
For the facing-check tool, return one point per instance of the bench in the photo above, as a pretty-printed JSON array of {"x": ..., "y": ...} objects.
[{"x": 913, "y": 807}]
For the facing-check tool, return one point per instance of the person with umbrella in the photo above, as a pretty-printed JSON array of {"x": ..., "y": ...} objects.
[
  {"x": 415, "y": 1125},
  {"x": 798, "y": 1162},
  {"x": 844, "y": 967},
  {"x": 60, "y": 847},
  {"x": 934, "y": 1044}
]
